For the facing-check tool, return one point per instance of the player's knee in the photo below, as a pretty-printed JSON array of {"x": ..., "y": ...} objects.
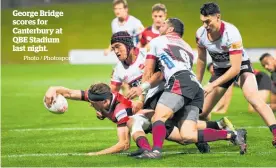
[
  {"x": 161, "y": 117},
  {"x": 139, "y": 123},
  {"x": 188, "y": 136}
]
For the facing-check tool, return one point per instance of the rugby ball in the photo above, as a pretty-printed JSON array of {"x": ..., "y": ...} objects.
[{"x": 59, "y": 106}]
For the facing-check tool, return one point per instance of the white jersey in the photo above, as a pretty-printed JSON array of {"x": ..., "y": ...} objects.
[
  {"x": 133, "y": 74},
  {"x": 132, "y": 25},
  {"x": 173, "y": 52},
  {"x": 229, "y": 43}
]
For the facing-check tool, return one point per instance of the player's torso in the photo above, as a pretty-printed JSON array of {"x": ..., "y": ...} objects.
[
  {"x": 119, "y": 110},
  {"x": 133, "y": 74},
  {"x": 174, "y": 53},
  {"x": 150, "y": 33},
  {"x": 129, "y": 26},
  {"x": 219, "y": 48}
]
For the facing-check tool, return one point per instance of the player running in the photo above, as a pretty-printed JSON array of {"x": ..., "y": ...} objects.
[{"x": 231, "y": 63}]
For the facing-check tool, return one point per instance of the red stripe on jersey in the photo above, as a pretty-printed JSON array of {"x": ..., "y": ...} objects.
[
  {"x": 176, "y": 87},
  {"x": 116, "y": 83},
  {"x": 120, "y": 98},
  {"x": 235, "y": 52},
  {"x": 151, "y": 57},
  {"x": 123, "y": 120},
  {"x": 222, "y": 28}
]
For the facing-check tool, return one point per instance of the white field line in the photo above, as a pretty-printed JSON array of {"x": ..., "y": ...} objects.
[
  {"x": 63, "y": 129},
  {"x": 98, "y": 128},
  {"x": 83, "y": 154}
]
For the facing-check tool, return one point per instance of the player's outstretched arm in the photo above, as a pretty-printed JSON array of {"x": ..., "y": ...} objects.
[
  {"x": 122, "y": 145},
  {"x": 201, "y": 63},
  {"x": 66, "y": 92}
]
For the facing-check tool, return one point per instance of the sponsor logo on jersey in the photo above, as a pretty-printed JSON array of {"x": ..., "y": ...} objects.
[{"x": 236, "y": 45}]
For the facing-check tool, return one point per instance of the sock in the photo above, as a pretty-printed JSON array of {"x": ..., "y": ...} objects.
[
  {"x": 143, "y": 143},
  {"x": 159, "y": 134},
  {"x": 209, "y": 135},
  {"x": 273, "y": 129},
  {"x": 213, "y": 124}
]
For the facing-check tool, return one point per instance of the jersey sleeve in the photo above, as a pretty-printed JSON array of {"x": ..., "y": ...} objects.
[
  {"x": 139, "y": 28},
  {"x": 199, "y": 42},
  {"x": 121, "y": 115},
  {"x": 115, "y": 77},
  {"x": 113, "y": 29},
  {"x": 235, "y": 41}
]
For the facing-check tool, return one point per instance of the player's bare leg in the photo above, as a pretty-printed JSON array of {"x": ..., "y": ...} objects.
[
  {"x": 273, "y": 101},
  {"x": 250, "y": 90},
  {"x": 263, "y": 95},
  {"x": 210, "y": 101}
]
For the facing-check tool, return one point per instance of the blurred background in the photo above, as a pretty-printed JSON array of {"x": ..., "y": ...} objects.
[
  {"x": 87, "y": 23},
  {"x": 32, "y": 136}
]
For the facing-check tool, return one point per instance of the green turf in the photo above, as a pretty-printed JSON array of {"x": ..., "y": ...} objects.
[
  {"x": 87, "y": 25},
  {"x": 23, "y": 87}
]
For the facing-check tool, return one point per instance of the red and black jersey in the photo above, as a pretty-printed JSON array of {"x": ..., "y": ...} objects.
[
  {"x": 148, "y": 34},
  {"x": 119, "y": 109}
]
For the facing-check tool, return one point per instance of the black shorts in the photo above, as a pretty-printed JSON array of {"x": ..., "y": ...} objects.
[
  {"x": 263, "y": 81},
  {"x": 245, "y": 67},
  {"x": 185, "y": 83},
  {"x": 152, "y": 101}
]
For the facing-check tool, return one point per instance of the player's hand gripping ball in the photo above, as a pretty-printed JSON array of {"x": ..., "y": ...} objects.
[{"x": 59, "y": 105}]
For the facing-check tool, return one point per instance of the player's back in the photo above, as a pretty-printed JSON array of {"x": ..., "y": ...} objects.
[{"x": 173, "y": 52}]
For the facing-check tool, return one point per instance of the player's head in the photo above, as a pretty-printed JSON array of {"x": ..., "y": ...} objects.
[
  {"x": 172, "y": 25},
  {"x": 120, "y": 8},
  {"x": 268, "y": 62},
  {"x": 159, "y": 14},
  {"x": 121, "y": 44},
  {"x": 210, "y": 16},
  {"x": 210, "y": 68},
  {"x": 99, "y": 96}
]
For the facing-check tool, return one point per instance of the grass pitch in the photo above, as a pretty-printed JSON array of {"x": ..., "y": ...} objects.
[{"x": 32, "y": 136}]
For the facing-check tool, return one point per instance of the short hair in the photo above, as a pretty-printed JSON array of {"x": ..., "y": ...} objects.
[
  {"x": 178, "y": 25},
  {"x": 209, "y": 66},
  {"x": 99, "y": 88},
  {"x": 264, "y": 55},
  {"x": 159, "y": 7},
  {"x": 209, "y": 9},
  {"x": 116, "y": 2}
]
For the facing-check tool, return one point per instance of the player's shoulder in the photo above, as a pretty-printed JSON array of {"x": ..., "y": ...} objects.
[
  {"x": 115, "y": 20},
  {"x": 230, "y": 28},
  {"x": 133, "y": 19},
  {"x": 200, "y": 31},
  {"x": 158, "y": 40}
]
